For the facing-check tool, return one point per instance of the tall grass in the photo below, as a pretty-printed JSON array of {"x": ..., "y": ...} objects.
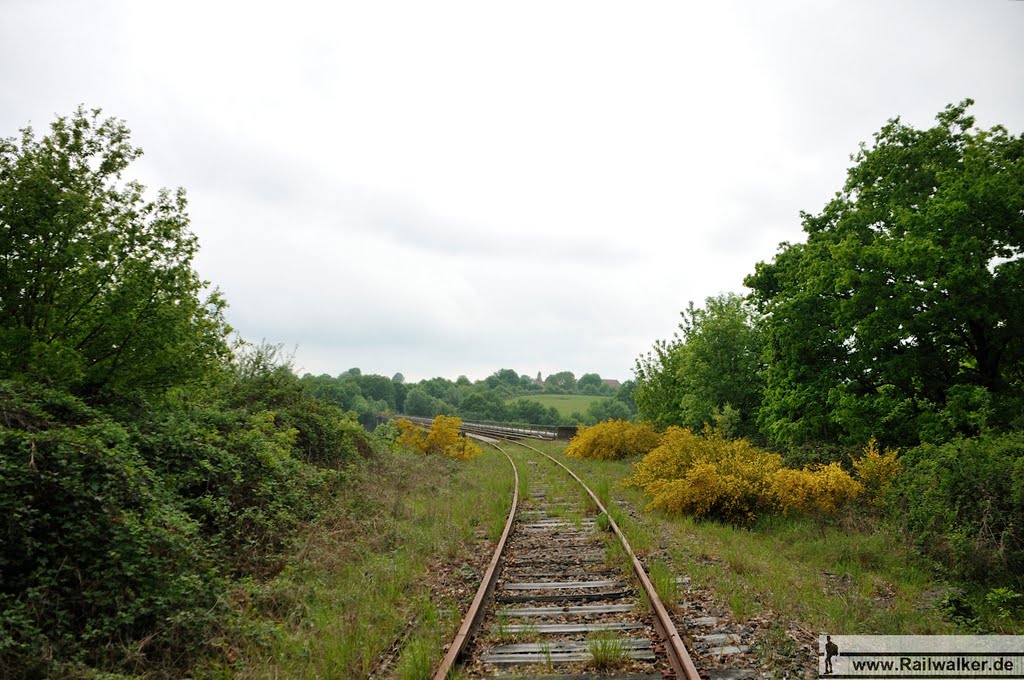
[
  {"x": 358, "y": 586},
  {"x": 607, "y": 651}
]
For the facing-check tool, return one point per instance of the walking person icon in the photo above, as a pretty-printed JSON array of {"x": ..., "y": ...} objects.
[{"x": 831, "y": 649}]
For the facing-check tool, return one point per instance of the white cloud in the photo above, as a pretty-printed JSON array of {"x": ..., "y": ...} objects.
[{"x": 454, "y": 187}]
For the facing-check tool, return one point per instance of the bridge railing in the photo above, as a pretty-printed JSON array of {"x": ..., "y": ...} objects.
[{"x": 514, "y": 430}]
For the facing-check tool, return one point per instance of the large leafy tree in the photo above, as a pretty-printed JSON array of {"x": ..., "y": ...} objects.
[
  {"x": 714, "y": 362},
  {"x": 659, "y": 387},
  {"x": 903, "y": 313},
  {"x": 97, "y": 289},
  {"x": 721, "y": 361}
]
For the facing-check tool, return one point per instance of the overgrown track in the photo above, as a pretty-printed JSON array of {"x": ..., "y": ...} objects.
[{"x": 556, "y": 599}]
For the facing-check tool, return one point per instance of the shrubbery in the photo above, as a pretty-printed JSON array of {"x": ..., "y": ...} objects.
[
  {"x": 706, "y": 475},
  {"x": 820, "y": 489},
  {"x": 96, "y": 553},
  {"x": 442, "y": 438},
  {"x": 964, "y": 503},
  {"x": 612, "y": 440},
  {"x": 877, "y": 471},
  {"x": 711, "y": 476},
  {"x": 121, "y": 536}
]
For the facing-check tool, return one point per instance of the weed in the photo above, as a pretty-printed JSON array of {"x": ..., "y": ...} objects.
[
  {"x": 615, "y": 556},
  {"x": 778, "y": 564},
  {"x": 501, "y": 630},
  {"x": 603, "y": 490},
  {"x": 545, "y": 649},
  {"x": 607, "y": 651},
  {"x": 417, "y": 660},
  {"x": 777, "y": 649},
  {"x": 664, "y": 581},
  {"x": 351, "y": 593}
]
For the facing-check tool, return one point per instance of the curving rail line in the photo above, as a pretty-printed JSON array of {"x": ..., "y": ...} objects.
[
  {"x": 678, "y": 657},
  {"x": 472, "y": 618}
]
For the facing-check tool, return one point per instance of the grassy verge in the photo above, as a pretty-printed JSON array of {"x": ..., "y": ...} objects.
[
  {"x": 846, "y": 575},
  {"x": 381, "y": 582}
]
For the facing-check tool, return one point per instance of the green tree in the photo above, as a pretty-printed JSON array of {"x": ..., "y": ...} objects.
[
  {"x": 907, "y": 292},
  {"x": 607, "y": 409},
  {"x": 484, "y": 405},
  {"x": 97, "y": 290},
  {"x": 563, "y": 381},
  {"x": 504, "y": 377},
  {"x": 625, "y": 394},
  {"x": 713, "y": 362},
  {"x": 419, "y": 403},
  {"x": 532, "y": 412},
  {"x": 720, "y": 362},
  {"x": 659, "y": 387},
  {"x": 589, "y": 383},
  {"x": 378, "y": 388}
]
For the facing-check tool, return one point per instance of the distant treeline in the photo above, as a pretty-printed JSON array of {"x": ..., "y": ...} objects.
[{"x": 491, "y": 399}]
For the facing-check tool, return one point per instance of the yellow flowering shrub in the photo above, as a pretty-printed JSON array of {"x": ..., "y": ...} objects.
[
  {"x": 707, "y": 475},
  {"x": 443, "y": 434},
  {"x": 612, "y": 440},
  {"x": 411, "y": 436},
  {"x": 442, "y": 438},
  {"x": 823, "y": 489},
  {"x": 876, "y": 470}
]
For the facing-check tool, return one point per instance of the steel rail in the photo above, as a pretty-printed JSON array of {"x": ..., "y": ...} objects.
[
  {"x": 677, "y": 654},
  {"x": 472, "y": 618}
]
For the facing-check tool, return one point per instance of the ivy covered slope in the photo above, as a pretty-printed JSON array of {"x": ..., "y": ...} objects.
[{"x": 145, "y": 468}]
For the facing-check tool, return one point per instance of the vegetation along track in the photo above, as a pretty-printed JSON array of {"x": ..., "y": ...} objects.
[{"x": 564, "y": 593}]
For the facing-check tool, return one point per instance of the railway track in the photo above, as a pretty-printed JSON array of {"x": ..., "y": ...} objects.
[{"x": 564, "y": 595}]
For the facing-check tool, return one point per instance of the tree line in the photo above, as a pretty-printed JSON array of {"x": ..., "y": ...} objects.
[{"x": 500, "y": 397}]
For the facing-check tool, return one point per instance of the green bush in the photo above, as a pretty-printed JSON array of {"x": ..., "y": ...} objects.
[
  {"x": 964, "y": 501},
  {"x": 95, "y": 553},
  {"x": 121, "y": 537}
]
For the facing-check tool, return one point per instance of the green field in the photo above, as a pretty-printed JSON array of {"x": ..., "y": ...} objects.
[{"x": 565, "y": 403}]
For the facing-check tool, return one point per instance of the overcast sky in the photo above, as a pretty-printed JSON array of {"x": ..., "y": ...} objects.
[{"x": 444, "y": 188}]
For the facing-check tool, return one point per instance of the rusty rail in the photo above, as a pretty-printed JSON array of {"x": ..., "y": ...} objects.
[
  {"x": 676, "y": 651},
  {"x": 472, "y": 617},
  {"x": 678, "y": 656}
]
